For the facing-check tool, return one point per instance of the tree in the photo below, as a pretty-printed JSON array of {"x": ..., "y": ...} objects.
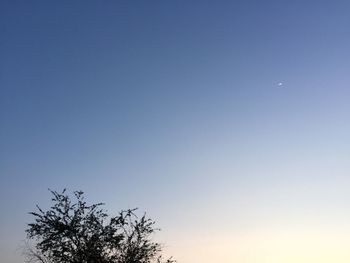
[{"x": 72, "y": 231}]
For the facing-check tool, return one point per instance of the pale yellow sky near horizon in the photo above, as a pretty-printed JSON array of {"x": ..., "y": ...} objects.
[{"x": 311, "y": 244}]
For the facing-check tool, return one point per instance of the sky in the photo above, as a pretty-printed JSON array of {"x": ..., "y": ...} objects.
[{"x": 226, "y": 121}]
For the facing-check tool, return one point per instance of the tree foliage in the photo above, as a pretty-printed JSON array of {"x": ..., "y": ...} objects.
[{"x": 72, "y": 231}]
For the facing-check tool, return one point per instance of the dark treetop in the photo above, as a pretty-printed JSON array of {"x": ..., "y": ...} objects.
[{"x": 72, "y": 231}]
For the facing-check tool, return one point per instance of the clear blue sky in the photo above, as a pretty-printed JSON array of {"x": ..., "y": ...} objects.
[{"x": 227, "y": 121}]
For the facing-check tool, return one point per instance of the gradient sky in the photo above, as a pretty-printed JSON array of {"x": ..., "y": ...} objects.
[{"x": 175, "y": 107}]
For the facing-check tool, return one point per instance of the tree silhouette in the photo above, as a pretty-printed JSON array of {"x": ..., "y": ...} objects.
[{"x": 72, "y": 231}]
